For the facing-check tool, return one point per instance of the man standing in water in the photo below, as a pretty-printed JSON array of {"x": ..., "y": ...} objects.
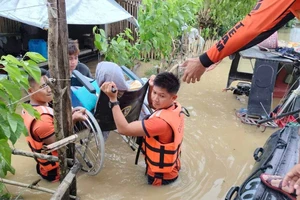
[
  {"x": 265, "y": 18},
  {"x": 162, "y": 132},
  {"x": 41, "y": 131}
]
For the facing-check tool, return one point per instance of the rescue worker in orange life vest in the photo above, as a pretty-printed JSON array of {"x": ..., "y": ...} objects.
[
  {"x": 41, "y": 131},
  {"x": 162, "y": 132},
  {"x": 266, "y": 17}
]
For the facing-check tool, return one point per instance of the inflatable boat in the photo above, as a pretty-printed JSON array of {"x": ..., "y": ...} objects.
[{"x": 278, "y": 155}]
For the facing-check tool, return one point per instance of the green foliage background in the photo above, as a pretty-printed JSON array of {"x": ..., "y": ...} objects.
[
  {"x": 161, "y": 22},
  {"x": 216, "y": 17},
  {"x": 11, "y": 123}
]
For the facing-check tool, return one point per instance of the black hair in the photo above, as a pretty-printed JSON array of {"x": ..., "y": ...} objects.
[
  {"x": 31, "y": 79},
  {"x": 168, "y": 81}
]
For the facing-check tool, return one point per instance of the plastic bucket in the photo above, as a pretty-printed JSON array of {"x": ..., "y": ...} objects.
[{"x": 39, "y": 46}]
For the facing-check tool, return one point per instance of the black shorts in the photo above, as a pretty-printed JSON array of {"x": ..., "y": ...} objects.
[
  {"x": 51, "y": 174},
  {"x": 164, "y": 182}
]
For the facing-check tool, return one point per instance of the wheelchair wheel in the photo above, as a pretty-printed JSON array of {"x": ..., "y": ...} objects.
[
  {"x": 132, "y": 141},
  {"x": 90, "y": 149}
]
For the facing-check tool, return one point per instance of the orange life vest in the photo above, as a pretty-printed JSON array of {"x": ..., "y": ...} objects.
[
  {"x": 162, "y": 158},
  {"x": 45, "y": 166}
]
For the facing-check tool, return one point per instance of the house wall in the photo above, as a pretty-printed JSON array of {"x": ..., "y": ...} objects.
[
  {"x": 130, "y": 6},
  {"x": 9, "y": 36},
  {"x": 14, "y": 36}
]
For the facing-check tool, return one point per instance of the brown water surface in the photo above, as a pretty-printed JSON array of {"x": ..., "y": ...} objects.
[{"x": 216, "y": 154}]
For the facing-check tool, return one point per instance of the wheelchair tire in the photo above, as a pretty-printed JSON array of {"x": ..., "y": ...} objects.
[
  {"x": 132, "y": 141},
  {"x": 90, "y": 150}
]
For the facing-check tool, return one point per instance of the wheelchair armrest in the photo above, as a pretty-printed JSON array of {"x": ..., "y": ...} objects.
[
  {"x": 131, "y": 75},
  {"x": 84, "y": 81}
]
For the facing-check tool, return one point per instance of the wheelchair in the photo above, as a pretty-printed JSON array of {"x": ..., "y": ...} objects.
[
  {"x": 85, "y": 93},
  {"x": 88, "y": 135}
]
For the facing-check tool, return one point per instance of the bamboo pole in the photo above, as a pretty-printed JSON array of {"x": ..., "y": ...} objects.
[
  {"x": 68, "y": 140},
  {"x": 30, "y": 186},
  {"x": 34, "y": 155},
  {"x": 61, "y": 143},
  {"x": 66, "y": 183}
]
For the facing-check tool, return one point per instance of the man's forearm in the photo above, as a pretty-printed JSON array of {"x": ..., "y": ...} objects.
[
  {"x": 120, "y": 120},
  {"x": 266, "y": 17}
]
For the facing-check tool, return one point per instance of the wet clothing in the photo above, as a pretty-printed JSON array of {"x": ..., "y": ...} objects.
[
  {"x": 266, "y": 17},
  {"x": 162, "y": 144},
  {"x": 38, "y": 130}
]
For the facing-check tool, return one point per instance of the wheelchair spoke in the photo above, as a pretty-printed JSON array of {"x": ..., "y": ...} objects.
[{"x": 90, "y": 149}]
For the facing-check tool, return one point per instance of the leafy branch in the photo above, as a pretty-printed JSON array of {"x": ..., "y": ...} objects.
[
  {"x": 13, "y": 80},
  {"x": 118, "y": 49}
]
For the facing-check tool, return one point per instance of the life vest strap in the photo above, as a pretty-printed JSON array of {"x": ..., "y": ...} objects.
[
  {"x": 139, "y": 141},
  {"x": 161, "y": 163},
  {"x": 34, "y": 149},
  {"x": 160, "y": 150}
]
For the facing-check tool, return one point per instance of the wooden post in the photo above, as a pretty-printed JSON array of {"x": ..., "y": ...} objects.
[
  {"x": 66, "y": 183},
  {"x": 58, "y": 63}
]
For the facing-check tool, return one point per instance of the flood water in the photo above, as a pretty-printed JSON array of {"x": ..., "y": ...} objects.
[{"x": 216, "y": 154}]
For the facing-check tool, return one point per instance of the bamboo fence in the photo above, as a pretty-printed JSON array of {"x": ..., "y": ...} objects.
[{"x": 9, "y": 26}]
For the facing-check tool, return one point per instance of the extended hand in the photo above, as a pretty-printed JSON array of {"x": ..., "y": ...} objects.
[
  {"x": 151, "y": 80},
  {"x": 78, "y": 115},
  {"x": 106, "y": 87},
  {"x": 292, "y": 178},
  {"x": 194, "y": 70}
]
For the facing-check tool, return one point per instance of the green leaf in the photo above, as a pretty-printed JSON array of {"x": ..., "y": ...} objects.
[
  {"x": 16, "y": 125},
  {"x": 102, "y": 32},
  {"x": 2, "y": 134},
  {"x": 98, "y": 37},
  {"x": 12, "y": 122},
  {"x": 20, "y": 129},
  {"x": 4, "y": 95},
  {"x": 95, "y": 28},
  {"x": 33, "y": 70},
  {"x": 36, "y": 57},
  {"x": 12, "y": 88},
  {"x": 104, "y": 47},
  {"x": 13, "y": 71},
  {"x": 4, "y": 125},
  {"x": 6, "y": 196},
  {"x": 31, "y": 110},
  {"x": 11, "y": 59},
  {"x": 97, "y": 45},
  {"x": 5, "y": 159}
]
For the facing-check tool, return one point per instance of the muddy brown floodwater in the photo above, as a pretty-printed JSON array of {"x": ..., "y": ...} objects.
[{"x": 216, "y": 153}]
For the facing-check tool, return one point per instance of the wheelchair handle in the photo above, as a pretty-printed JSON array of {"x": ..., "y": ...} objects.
[{"x": 83, "y": 80}]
